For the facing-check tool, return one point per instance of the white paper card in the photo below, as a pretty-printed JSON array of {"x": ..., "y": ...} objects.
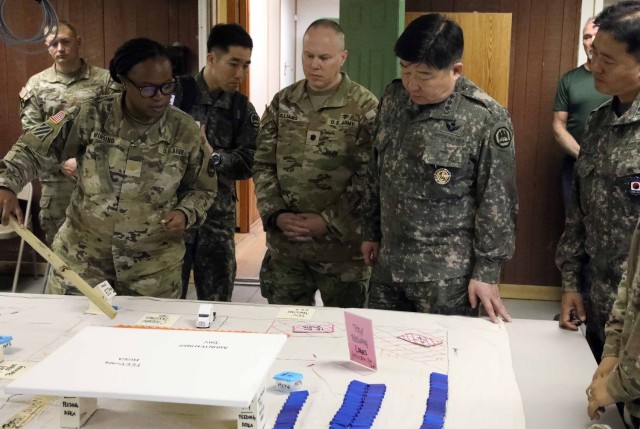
[
  {"x": 11, "y": 370},
  {"x": 299, "y": 313},
  {"x": 158, "y": 320}
]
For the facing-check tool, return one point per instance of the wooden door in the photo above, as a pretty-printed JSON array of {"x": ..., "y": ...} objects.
[{"x": 487, "y": 47}]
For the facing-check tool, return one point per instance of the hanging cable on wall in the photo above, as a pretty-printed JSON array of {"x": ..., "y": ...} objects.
[{"x": 49, "y": 23}]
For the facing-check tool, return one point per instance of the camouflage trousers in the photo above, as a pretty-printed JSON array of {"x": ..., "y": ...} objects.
[
  {"x": 294, "y": 282},
  {"x": 211, "y": 252},
  {"x": 94, "y": 268},
  {"x": 447, "y": 296},
  {"x": 603, "y": 289},
  {"x": 53, "y": 207}
]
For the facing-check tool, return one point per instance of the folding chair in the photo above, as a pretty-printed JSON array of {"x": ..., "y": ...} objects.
[{"x": 6, "y": 232}]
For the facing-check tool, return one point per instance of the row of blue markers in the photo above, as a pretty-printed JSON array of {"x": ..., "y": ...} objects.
[{"x": 362, "y": 403}]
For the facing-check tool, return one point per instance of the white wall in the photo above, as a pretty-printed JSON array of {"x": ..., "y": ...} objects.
[
  {"x": 590, "y": 8},
  {"x": 259, "y": 30},
  {"x": 307, "y": 12}
]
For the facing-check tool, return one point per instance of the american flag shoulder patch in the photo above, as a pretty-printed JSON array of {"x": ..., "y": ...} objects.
[
  {"x": 58, "y": 117},
  {"x": 23, "y": 92},
  {"x": 42, "y": 130}
]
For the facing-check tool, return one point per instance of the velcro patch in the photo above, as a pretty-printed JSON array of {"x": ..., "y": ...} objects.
[
  {"x": 42, "y": 131},
  {"x": 173, "y": 151},
  {"x": 255, "y": 120},
  {"x": 58, "y": 117},
  {"x": 502, "y": 137},
  {"x": 23, "y": 92},
  {"x": 370, "y": 114}
]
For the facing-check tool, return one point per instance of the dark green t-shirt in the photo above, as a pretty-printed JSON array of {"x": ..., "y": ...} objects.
[{"x": 578, "y": 96}]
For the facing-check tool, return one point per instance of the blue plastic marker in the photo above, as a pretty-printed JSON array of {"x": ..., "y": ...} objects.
[
  {"x": 5, "y": 340},
  {"x": 288, "y": 381}
]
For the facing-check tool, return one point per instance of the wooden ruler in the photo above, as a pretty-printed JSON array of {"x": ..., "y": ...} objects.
[{"x": 63, "y": 269}]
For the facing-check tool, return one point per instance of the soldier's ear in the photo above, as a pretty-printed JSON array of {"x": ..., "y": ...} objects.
[
  {"x": 457, "y": 69},
  {"x": 79, "y": 41}
]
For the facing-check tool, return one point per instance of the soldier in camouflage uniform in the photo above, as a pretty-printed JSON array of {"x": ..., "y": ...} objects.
[
  {"x": 142, "y": 178},
  {"x": 606, "y": 190},
  {"x": 232, "y": 136},
  {"x": 313, "y": 149},
  {"x": 66, "y": 83},
  {"x": 441, "y": 205}
]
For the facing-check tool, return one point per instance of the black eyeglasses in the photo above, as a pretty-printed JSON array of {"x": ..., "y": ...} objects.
[{"x": 149, "y": 91}]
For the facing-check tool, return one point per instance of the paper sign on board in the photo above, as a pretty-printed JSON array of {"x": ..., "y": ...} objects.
[{"x": 360, "y": 338}]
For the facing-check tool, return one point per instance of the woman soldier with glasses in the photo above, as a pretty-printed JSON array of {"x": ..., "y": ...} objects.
[{"x": 142, "y": 178}]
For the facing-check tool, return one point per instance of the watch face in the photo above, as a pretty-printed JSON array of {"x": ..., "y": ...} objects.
[{"x": 215, "y": 158}]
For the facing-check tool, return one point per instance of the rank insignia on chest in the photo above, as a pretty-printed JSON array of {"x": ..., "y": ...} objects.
[
  {"x": 452, "y": 126},
  {"x": 634, "y": 186},
  {"x": 442, "y": 176}
]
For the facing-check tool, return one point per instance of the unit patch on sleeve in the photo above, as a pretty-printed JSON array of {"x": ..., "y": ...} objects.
[
  {"x": 502, "y": 136},
  {"x": 42, "y": 131}
]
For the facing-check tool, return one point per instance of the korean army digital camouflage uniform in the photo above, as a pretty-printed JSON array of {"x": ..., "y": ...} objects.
[
  {"x": 211, "y": 248},
  {"x": 604, "y": 210},
  {"x": 623, "y": 338},
  {"x": 315, "y": 161},
  {"x": 45, "y": 94},
  {"x": 441, "y": 199},
  {"x": 129, "y": 177}
]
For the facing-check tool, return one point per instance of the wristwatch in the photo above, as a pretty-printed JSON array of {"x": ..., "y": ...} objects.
[{"x": 214, "y": 162}]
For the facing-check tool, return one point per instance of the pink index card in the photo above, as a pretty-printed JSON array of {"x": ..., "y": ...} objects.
[{"x": 360, "y": 338}]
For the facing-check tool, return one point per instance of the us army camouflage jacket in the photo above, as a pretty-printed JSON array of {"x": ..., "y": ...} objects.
[
  {"x": 623, "y": 335},
  {"x": 605, "y": 201},
  {"x": 315, "y": 161},
  {"x": 235, "y": 146},
  {"x": 126, "y": 183},
  {"x": 48, "y": 92},
  {"x": 441, "y": 197}
]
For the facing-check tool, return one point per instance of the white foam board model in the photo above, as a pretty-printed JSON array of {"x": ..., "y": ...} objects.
[{"x": 193, "y": 367}]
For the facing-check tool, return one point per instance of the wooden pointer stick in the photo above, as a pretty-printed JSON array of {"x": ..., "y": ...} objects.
[{"x": 62, "y": 268}]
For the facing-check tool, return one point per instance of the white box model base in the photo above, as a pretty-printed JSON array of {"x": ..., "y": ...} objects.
[
  {"x": 74, "y": 412},
  {"x": 215, "y": 368},
  {"x": 254, "y": 416}
]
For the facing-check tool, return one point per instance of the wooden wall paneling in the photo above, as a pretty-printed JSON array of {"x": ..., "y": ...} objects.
[
  {"x": 571, "y": 32},
  {"x": 528, "y": 173},
  {"x": 548, "y": 197},
  {"x": 156, "y": 14},
  {"x": 187, "y": 17},
  {"x": 443, "y": 6},
  {"x": 93, "y": 34},
  {"x": 520, "y": 263},
  {"x": 416, "y": 5},
  {"x": 508, "y": 6},
  {"x": 476, "y": 5},
  {"x": 4, "y": 95}
]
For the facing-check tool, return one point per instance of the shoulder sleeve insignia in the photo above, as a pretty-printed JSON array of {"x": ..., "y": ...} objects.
[
  {"x": 42, "y": 131},
  {"x": 502, "y": 136},
  {"x": 255, "y": 120},
  {"x": 58, "y": 117},
  {"x": 23, "y": 92}
]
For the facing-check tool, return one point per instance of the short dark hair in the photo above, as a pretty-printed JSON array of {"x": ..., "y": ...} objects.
[
  {"x": 622, "y": 22},
  {"x": 327, "y": 23},
  {"x": 132, "y": 52},
  {"x": 431, "y": 39},
  {"x": 222, "y": 36}
]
